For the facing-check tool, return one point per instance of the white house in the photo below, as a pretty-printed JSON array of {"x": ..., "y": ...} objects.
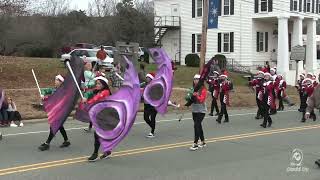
[{"x": 249, "y": 31}]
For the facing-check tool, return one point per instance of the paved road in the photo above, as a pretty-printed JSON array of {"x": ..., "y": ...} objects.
[{"x": 238, "y": 150}]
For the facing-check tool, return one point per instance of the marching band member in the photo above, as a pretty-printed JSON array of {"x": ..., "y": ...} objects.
[
  {"x": 300, "y": 90},
  {"x": 267, "y": 99},
  {"x": 308, "y": 88},
  {"x": 214, "y": 88},
  {"x": 45, "y": 93},
  {"x": 198, "y": 112},
  {"x": 99, "y": 93},
  {"x": 150, "y": 113},
  {"x": 257, "y": 85},
  {"x": 224, "y": 98}
]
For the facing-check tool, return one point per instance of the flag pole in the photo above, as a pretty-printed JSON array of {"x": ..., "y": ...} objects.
[
  {"x": 74, "y": 78},
  {"x": 204, "y": 34},
  {"x": 35, "y": 78}
]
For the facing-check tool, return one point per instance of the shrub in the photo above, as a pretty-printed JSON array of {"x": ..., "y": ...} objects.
[
  {"x": 40, "y": 52},
  {"x": 192, "y": 60}
]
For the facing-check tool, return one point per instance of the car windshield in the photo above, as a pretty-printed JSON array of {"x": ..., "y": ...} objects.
[
  {"x": 108, "y": 48},
  {"x": 92, "y": 53}
]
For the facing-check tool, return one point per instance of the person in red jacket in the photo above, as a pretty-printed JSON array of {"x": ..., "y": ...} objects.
[
  {"x": 100, "y": 92},
  {"x": 267, "y": 100},
  {"x": 198, "y": 112},
  {"x": 257, "y": 85},
  {"x": 214, "y": 88},
  {"x": 224, "y": 98}
]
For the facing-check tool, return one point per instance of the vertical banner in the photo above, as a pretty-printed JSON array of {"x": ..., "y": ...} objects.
[{"x": 214, "y": 8}]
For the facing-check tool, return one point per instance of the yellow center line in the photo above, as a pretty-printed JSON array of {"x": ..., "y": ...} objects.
[{"x": 50, "y": 164}]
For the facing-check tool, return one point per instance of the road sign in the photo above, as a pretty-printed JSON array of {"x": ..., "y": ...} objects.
[{"x": 298, "y": 53}]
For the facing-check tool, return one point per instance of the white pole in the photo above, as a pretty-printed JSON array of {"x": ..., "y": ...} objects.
[
  {"x": 74, "y": 78},
  {"x": 119, "y": 76},
  {"x": 35, "y": 78}
]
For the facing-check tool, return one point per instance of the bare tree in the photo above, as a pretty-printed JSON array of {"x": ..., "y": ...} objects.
[
  {"x": 102, "y": 8},
  {"x": 13, "y": 7},
  {"x": 51, "y": 7}
]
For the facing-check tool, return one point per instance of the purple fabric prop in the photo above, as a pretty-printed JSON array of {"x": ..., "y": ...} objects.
[
  {"x": 60, "y": 104},
  {"x": 1, "y": 97},
  {"x": 158, "y": 91},
  {"x": 82, "y": 114},
  {"x": 114, "y": 116}
]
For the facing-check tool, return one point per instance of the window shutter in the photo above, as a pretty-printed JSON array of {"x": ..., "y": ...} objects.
[
  {"x": 312, "y": 6},
  {"x": 219, "y": 42},
  {"x": 193, "y": 8},
  {"x": 231, "y": 7},
  {"x": 231, "y": 42},
  {"x": 257, "y": 41},
  {"x": 317, "y": 7},
  {"x": 304, "y": 5},
  {"x": 300, "y": 5},
  {"x": 193, "y": 43},
  {"x": 220, "y": 9},
  {"x": 270, "y": 3},
  {"x": 267, "y": 41},
  {"x": 256, "y": 6},
  {"x": 291, "y": 5}
]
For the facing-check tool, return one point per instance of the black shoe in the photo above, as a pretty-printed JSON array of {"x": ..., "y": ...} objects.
[
  {"x": 317, "y": 162},
  {"x": 217, "y": 114},
  {"x": 93, "y": 157},
  {"x": 226, "y": 120},
  {"x": 258, "y": 117},
  {"x": 303, "y": 120},
  {"x": 300, "y": 110},
  {"x": 219, "y": 119},
  {"x": 106, "y": 155},
  {"x": 44, "y": 147},
  {"x": 314, "y": 117},
  {"x": 211, "y": 114},
  {"x": 65, "y": 144},
  {"x": 263, "y": 125},
  {"x": 269, "y": 124}
]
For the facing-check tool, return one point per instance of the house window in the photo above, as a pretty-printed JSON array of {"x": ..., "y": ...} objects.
[
  {"x": 295, "y": 5},
  {"x": 199, "y": 8},
  {"x": 226, "y": 42},
  {"x": 261, "y": 41},
  {"x": 264, "y": 5},
  {"x": 308, "y": 5},
  {"x": 198, "y": 42},
  {"x": 226, "y": 7}
]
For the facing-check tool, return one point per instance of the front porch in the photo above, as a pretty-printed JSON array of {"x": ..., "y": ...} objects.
[{"x": 287, "y": 32}]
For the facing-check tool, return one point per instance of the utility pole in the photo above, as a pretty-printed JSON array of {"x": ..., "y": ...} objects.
[{"x": 204, "y": 34}]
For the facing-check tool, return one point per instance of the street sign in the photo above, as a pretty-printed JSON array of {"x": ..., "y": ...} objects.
[{"x": 298, "y": 53}]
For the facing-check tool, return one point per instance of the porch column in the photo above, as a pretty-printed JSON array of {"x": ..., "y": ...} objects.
[
  {"x": 297, "y": 37},
  {"x": 283, "y": 46},
  {"x": 311, "y": 56}
]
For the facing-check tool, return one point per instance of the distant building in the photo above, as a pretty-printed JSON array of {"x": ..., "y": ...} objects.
[{"x": 249, "y": 31}]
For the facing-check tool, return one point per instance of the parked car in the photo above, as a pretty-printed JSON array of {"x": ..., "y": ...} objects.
[
  {"x": 89, "y": 55},
  {"x": 68, "y": 49},
  {"x": 109, "y": 50}
]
